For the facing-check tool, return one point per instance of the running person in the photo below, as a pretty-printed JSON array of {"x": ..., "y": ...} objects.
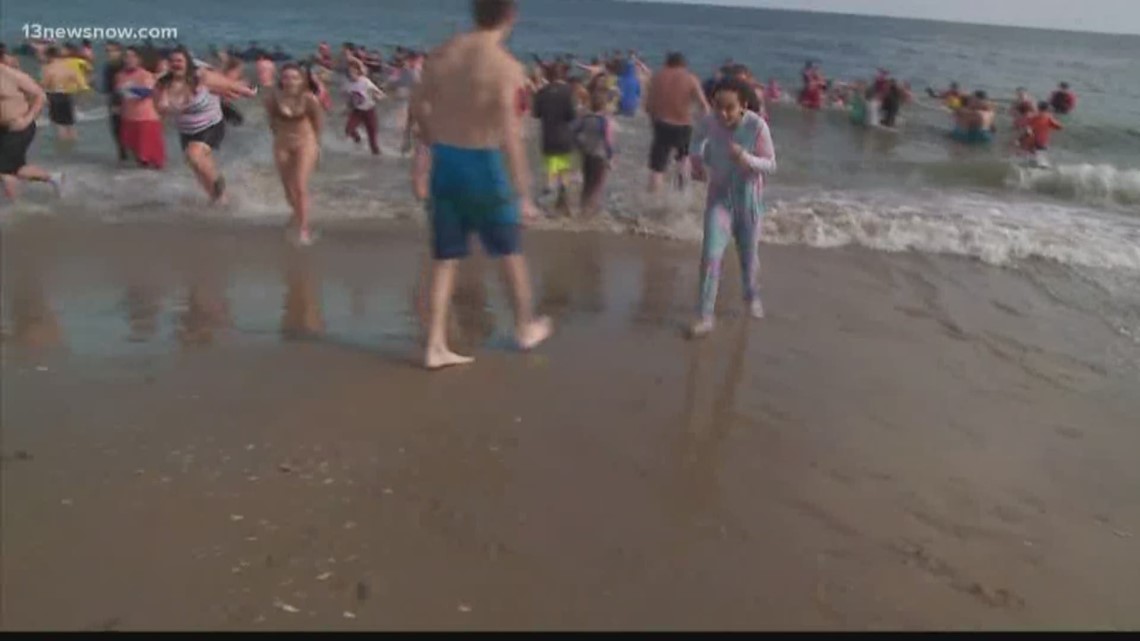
[
  {"x": 192, "y": 94},
  {"x": 61, "y": 81},
  {"x": 362, "y": 96},
  {"x": 295, "y": 117},
  {"x": 594, "y": 137},
  {"x": 739, "y": 154},
  {"x": 672, "y": 92},
  {"x": 466, "y": 108},
  {"x": 21, "y": 101}
]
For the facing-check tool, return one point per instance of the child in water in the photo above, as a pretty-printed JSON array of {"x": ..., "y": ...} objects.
[
  {"x": 594, "y": 137},
  {"x": 737, "y": 153}
]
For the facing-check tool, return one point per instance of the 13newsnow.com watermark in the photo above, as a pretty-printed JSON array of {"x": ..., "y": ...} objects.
[{"x": 38, "y": 31}]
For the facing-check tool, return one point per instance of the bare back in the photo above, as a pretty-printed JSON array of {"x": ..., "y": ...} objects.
[
  {"x": 672, "y": 92},
  {"x": 464, "y": 87},
  {"x": 13, "y": 100}
]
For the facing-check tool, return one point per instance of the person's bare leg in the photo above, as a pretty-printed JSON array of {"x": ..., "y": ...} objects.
[
  {"x": 655, "y": 181},
  {"x": 304, "y": 164},
  {"x": 438, "y": 355},
  {"x": 11, "y": 187},
  {"x": 529, "y": 331}
]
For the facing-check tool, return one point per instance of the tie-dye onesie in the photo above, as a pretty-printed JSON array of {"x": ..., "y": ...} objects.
[{"x": 735, "y": 201}]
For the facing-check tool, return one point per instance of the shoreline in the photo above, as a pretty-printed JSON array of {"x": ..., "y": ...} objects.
[{"x": 907, "y": 442}]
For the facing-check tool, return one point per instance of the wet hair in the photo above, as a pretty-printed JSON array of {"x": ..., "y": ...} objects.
[
  {"x": 736, "y": 86},
  {"x": 980, "y": 95},
  {"x": 1042, "y": 106},
  {"x": 492, "y": 14},
  {"x": 675, "y": 59},
  {"x": 52, "y": 52}
]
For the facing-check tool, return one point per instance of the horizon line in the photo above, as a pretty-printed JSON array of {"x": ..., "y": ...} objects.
[{"x": 724, "y": 5}]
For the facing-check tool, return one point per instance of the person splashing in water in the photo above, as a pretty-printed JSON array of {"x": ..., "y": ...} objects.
[
  {"x": 466, "y": 108},
  {"x": 737, "y": 154},
  {"x": 193, "y": 95},
  {"x": 296, "y": 118}
]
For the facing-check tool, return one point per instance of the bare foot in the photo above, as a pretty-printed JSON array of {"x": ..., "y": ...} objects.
[
  {"x": 533, "y": 334},
  {"x": 701, "y": 328},
  {"x": 441, "y": 357},
  {"x": 756, "y": 309}
]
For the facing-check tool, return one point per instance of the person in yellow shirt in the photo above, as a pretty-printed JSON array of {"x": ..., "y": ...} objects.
[
  {"x": 75, "y": 59},
  {"x": 61, "y": 82}
]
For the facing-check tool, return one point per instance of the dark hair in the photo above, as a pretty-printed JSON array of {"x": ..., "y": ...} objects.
[
  {"x": 191, "y": 69},
  {"x": 306, "y": 72},
  {"x": 491, "y": 14},
  {"x": 1041, "y": 106},
  {"x": 736, "y": 86},
  {"x": 1064, "y": 85},
  {"x": 86, "y": 42},
  {"x": 112, "y": 43},
  {"x": 52, "y": 52},
  {"x": 675, "y": 59},
  {"x": 980, "y": 95}
]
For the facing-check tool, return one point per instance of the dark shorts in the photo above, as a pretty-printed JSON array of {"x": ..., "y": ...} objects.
[
  {"x": 471, "y": 193},
  {"x": 14, "y": 149},
  {"x": 61, "y": 109},
  {"x": 212, "y": 136},
  {"x": 668, "y": 139}
]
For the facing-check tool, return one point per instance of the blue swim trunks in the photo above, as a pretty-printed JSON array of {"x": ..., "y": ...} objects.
[
  {"x": 471, "y": 193},
  {"x": 973, "y": 136}
]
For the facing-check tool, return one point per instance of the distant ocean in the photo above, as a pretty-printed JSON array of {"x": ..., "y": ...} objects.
[{"x": 837, "y": 185}]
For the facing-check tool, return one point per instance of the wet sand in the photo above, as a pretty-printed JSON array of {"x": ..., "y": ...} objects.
[{"x": 203, "y": 429}]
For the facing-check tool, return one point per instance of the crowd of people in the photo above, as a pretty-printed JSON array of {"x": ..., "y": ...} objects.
[{"x": 465, "y": 105}]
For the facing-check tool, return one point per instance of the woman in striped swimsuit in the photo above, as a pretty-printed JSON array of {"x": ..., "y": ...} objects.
[
  {"x": 192, "y": 95},
  {"x": 738, "y": 153}
]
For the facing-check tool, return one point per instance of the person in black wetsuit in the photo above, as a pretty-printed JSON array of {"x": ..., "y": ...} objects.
[
  {"x": 892, "y": 101},
  {"x": 114, "y": 64}
]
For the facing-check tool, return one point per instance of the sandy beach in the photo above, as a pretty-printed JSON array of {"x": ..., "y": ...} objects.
[{"x": 203, "y": 429}]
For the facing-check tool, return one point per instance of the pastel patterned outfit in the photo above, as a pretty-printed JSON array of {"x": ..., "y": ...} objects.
[{"x": 735, "y": 201}]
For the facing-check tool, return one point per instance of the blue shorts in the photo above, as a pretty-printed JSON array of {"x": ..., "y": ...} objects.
[
  {"x": 471, "y": 193},
  {"x": 973, "y": 136}
]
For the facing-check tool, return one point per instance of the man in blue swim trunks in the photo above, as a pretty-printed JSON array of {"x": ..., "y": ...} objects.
[{"x": 466, "y": 109}]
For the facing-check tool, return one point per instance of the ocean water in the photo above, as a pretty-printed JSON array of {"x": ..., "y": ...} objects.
[{"x": 837, "y": 185}]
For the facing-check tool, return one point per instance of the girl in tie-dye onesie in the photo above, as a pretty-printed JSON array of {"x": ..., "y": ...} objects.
[{"x": 737, "y": 154}]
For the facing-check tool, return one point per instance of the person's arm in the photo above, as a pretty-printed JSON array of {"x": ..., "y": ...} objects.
[
  {"x": 1055, "y": 124},
  {"x": 377, "y": 93},
  {"x": 513, "y": 148},
  {"x": 608, "y": 137},
  {"x": 36, "y": 99},
  {"x": 223, "y": 86},
  {"x": 699, "y": 92},
  {"x": 316, "y": 116},
  {"x": 419, "y": 108},
  {"x": 761, "y": 158}
]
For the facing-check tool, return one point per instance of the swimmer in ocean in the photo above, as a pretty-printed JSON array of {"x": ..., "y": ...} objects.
[
  {"x": 1041, "y": 126},
  {"x": 1021, "y": 99},
  {"x": 296, "y": 118},
  {"x": 1063, "y": 101},
  {"x": 61, "y": 81},
  {"x": 467, "y": 110},
  {"x": 737, "y": 155},
  {"x": 953, "y": 97},
  {"x": 974, "y": 120}
]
